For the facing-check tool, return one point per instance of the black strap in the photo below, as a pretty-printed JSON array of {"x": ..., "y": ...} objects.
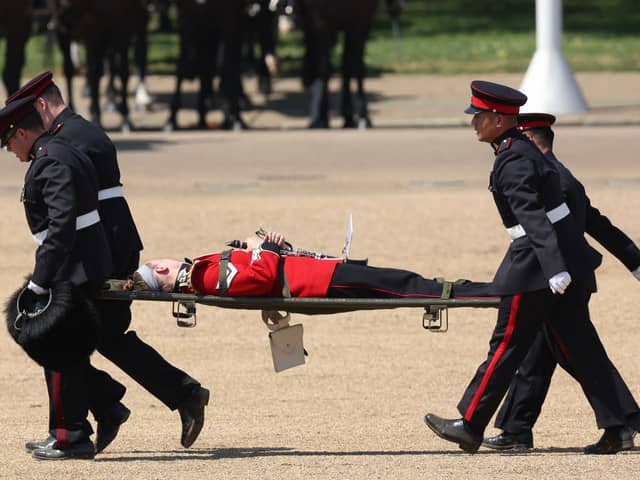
[
  {"x": 223, "y": 287},
  {"x": 286, "y": 293}
]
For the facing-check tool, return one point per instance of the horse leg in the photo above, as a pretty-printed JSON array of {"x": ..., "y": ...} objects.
[
  {"x": 64, "y": 42},
  {"x": 176, "y": 101},
  {"x": 231, "y": 71},
  {"x": 123, "y": 74},
  {"x": 319, "y": 105},
  {"x": 359, "y": 72},
  {"x": 94, "y": 72},
  {"x": 17, "y": 36},
  {"x": 346, "y": 101},
  {"x": 111, "y": 61},
  {"x": 141, "y": 46}
]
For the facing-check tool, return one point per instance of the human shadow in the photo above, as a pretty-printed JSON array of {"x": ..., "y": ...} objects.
[{"x": 258, "y": 452}]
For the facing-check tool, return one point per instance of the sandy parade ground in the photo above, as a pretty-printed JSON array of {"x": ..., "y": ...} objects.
[{"x": 417, "y": 189}]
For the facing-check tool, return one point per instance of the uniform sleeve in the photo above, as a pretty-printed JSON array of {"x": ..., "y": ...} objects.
[
  {"x": 518, "y": 180},
  {"x": 58, "y": 192},
  {"x": 611, "y": 237},
  {"x": 255, "y": 279}
]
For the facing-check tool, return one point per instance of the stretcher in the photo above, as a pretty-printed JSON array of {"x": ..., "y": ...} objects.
[{"x": 435, "y": 317}]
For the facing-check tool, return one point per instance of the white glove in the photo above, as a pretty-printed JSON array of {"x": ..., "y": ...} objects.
[
  {"x": 636, "y": 273},
  {"x": 559, "y": 282},
  {"x": 37, "y": 289}
]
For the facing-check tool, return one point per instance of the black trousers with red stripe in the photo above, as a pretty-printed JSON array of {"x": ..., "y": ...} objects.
[
  {"x": 571, "y": 336},
  {"x": 528, "y": 389},
  {"x": 352, "y": 280},
  {"x": 68, "y": 404}
]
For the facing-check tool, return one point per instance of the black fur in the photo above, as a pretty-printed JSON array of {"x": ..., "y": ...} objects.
[{"x": 65, "y": 333}]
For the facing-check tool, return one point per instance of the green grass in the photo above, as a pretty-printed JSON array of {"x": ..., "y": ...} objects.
[{"x": 453, "y": 36}]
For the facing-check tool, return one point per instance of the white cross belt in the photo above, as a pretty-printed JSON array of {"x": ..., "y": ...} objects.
[
  {"x": 83, "y": 221},
  {"x": 112, "y": 192},
  {"x": 554, "y": 216}
]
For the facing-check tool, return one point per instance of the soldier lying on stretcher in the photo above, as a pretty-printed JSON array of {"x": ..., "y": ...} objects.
[{"x": 267, "y": 268}]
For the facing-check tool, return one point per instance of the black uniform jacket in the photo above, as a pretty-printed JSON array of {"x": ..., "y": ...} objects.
[
  {"x": 61, "y": 185},
  {"x": 117, "y": 220},
  {"x": 525, "y": 186},
  {"x": 592, "y": 221}
]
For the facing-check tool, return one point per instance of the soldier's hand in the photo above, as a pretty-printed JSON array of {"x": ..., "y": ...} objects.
[
  {"x": 636, "y": 273},
  {"x": 559, "y": 282},
  {"x": 275, "y": 237},
  {"x": 31, "y": 302}
]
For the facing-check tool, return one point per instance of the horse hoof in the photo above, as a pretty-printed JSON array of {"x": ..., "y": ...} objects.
[
  {"x": 126, "y": 127},
  {"x": 264, "y": 85},
  {"x": 349, "y": 123},
  {"x": 169, "y": 127},
  {"x": 234, "y": 124},
  {"x": 319, "y": 124},
  {"x": 364, "y": 123},
  {"x": 245, "y": 103}
]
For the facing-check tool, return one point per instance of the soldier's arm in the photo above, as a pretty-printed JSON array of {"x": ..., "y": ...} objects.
[
  {"x": 611, "y": 237},
  {"x": 58, "y": 191}
]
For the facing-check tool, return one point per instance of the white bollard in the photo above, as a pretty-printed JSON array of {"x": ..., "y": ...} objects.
[{"x": 549, "y": 82}]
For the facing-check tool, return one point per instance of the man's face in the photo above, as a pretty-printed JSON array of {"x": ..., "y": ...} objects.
[
  {"x": 487, "y": 126},
  {"x": 18, "y": 145}
]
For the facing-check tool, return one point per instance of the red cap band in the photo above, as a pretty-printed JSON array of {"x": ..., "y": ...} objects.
[
  {"x": 494, "y": 106},
  {"x": 533, "y": 124}
]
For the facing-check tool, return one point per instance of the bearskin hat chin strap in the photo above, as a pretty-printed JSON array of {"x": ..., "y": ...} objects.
[{"x": 30, "y": 305}]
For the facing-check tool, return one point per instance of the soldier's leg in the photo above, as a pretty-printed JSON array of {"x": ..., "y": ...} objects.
[
  {"x": 582, "y": 354},
  {"x": 68, "y": 405},
  {"x": 140, "y": 361},
  {"x": 519, "y": 318},
  {"x": 528, "y": 389}
]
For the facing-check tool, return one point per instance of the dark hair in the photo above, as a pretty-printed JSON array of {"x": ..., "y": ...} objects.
[
  {"x": 52, "y": 95},
  {"x": 544, "y": 136},
  {"x": 136, "y": 283},
  {"x": 31, "y": 121}
]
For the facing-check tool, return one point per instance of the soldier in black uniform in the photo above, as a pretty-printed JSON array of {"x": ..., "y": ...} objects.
[
  {"x": 529, "y": 387},
  {"x": 140, "y": 361},
  {"x": 60, "y": 197},
  {"x": 545, "y": 281}
]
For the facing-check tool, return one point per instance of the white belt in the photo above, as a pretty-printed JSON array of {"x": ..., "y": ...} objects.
[
  {"x": 83, "y": 221},
  {"x": 554, "y": 216},
  {"x": 112, "y": 192}
]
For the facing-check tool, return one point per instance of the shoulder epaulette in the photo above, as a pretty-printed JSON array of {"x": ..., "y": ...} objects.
[{"x": 504, "y": 145}]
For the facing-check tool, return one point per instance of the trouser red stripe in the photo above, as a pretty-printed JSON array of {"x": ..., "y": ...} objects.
[
  {"x": 58, "y": 409},
  {"x": 563, "y": 348},
  {"x": 513, "y": 313}
]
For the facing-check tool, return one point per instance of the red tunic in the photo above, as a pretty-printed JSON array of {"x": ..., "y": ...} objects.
[{"x": 255, "y": 274}]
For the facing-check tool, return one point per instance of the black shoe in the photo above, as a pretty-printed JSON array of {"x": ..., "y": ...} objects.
[
  {"x": 613, "y": 440},
  {"x": 35, "y": 445},
  {"x": 510, "y": 441},
  {"x": 192, "y": 416},
  {"x": 456, "y": 431},
  {"x": 109, "y": 424},
  {"x": 79, "y": 451}
]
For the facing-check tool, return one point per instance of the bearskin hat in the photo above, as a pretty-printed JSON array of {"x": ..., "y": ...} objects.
[{"x": 62, "y": 334}]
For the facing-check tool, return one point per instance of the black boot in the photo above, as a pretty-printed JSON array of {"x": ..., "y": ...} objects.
[
  {"x": 510, "y": 441},
  {"x": 456, "y": 431},
  {"x": 109, "y": 425},
  {"x": 192, "y": 415},
  {"x": 613, "y": 440}
]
